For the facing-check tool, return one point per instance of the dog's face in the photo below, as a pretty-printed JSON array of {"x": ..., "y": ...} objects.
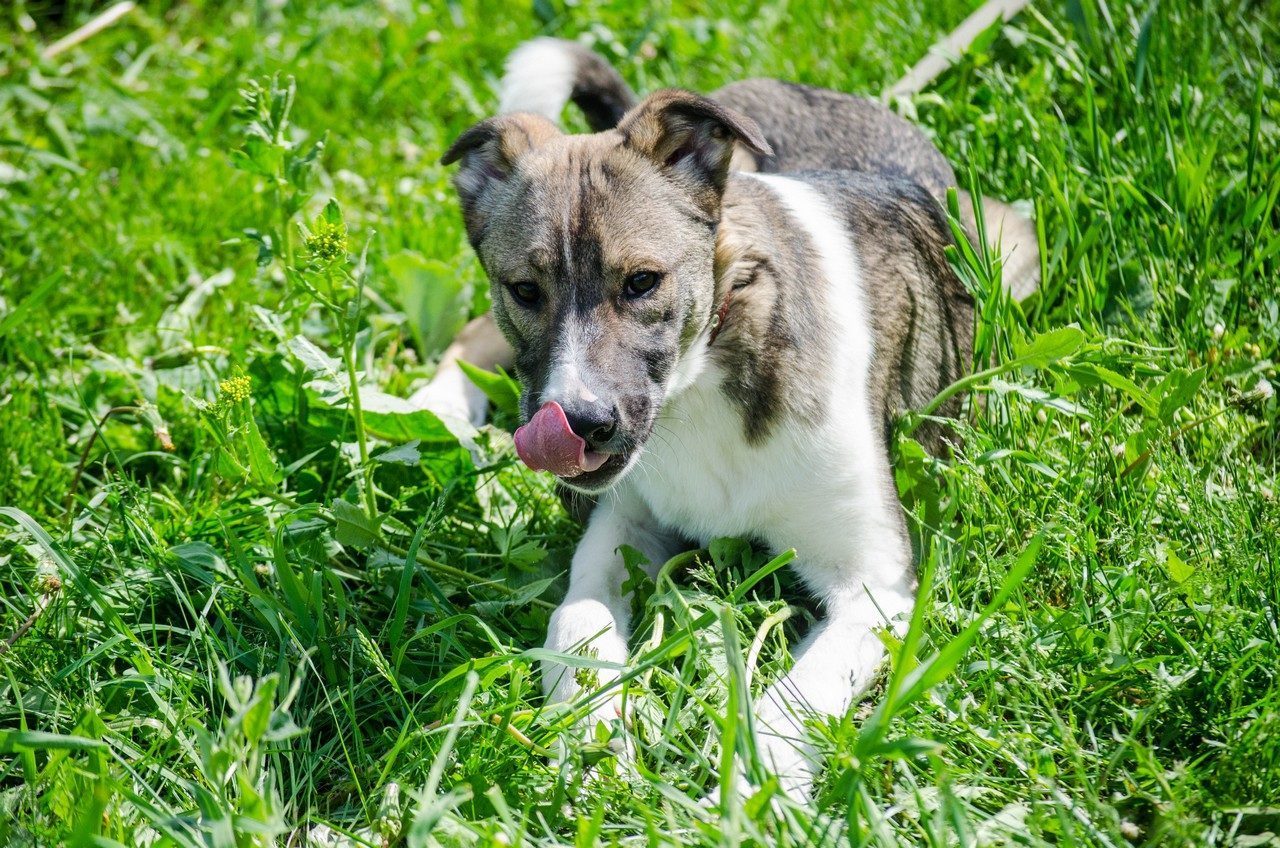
[{"x": 600, "y": 249}]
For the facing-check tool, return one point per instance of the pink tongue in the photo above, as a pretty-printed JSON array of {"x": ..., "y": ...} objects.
[{"x": 547, "y": 443}]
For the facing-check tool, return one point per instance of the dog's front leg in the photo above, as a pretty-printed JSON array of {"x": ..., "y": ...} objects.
[
  {"x": 594, "y": 618},
  {"x": 834, "y": 665}
]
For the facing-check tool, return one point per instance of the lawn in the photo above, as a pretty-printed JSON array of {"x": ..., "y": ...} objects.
[{"x": 247, "y": 598}]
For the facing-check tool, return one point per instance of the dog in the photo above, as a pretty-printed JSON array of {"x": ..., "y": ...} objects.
[
  {"x": 808, "y": 129},
  {"x": 717, "y": 307}
]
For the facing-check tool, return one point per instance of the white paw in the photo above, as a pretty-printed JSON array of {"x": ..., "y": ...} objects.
[
  {"x": 792, "y": 761},
  {"x": 451, "y": 395},
  {"x": 585, "y": 628}
]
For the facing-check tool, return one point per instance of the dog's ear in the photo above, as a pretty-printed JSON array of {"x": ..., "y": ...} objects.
[
  {"x": 691, "y": 138},
  {"x": 488, "y": 153}
]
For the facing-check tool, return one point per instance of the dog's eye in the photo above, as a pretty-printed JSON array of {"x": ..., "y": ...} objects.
[
  {"x": 641, "y": 283},
  {"x": 525, "y": 292}
]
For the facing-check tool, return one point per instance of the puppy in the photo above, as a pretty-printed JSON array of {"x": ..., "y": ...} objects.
[
  {"x": 807, "y": 129},
  {"x": 706, "y": 351}
]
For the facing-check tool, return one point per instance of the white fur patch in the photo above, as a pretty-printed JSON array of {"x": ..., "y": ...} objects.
[
  {"x": 566, "y": 381},
  {"x": 539, "y": 79}
]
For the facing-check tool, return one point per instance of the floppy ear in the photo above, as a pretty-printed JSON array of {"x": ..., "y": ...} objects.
[
  {"x": 691, "y": 138},
  {"x": 488, "y": 153}
]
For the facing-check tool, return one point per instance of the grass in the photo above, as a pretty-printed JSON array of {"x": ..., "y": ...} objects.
[{"x": 250, "y": 611}]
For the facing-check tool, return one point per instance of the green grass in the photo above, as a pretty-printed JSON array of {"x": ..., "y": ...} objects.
[{"x": 237, "y": 626}]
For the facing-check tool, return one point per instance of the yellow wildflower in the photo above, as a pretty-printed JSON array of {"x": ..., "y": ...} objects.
[
  {"x": 328, "y": 242},
  {"x": 234, "y": 390}
]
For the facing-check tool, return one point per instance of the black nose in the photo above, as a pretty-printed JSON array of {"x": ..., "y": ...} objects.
[{"x": 594, "y": 422}]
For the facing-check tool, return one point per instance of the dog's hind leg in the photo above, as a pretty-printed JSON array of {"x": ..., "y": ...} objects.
[
  {"x": 450, "y": 392},
  {"x": 1011, "y": 235}
]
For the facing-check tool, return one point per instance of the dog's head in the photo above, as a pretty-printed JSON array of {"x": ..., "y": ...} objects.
[{"x": 601, "y": 250}]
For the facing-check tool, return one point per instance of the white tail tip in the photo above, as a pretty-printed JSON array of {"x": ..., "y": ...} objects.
[{"x": 539, "y": 78}]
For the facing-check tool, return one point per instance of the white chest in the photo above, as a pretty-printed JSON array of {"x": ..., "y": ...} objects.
[{"x": 701, "y": 477}]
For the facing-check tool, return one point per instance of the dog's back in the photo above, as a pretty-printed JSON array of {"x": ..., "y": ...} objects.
[
  {"x": 816, "y": 129},
  {"x": 808, "y": 128}
]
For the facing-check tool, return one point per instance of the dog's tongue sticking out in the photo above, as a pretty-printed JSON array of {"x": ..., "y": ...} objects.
[{"x": 548, "y": 443}]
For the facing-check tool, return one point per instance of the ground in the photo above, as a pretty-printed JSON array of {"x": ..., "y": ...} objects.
[{"x": 239, "y": 609}]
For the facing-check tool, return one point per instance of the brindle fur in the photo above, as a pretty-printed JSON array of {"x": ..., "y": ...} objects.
[
  {"x": 814, "y": 129},
  {"x": 775, "y": 345}
]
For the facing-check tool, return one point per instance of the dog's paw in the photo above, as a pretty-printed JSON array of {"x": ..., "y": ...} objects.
[
  {"x": 793, "y": 762},
  {"x": 450, "y": 394},
  {"x": 790, "y": 768}
]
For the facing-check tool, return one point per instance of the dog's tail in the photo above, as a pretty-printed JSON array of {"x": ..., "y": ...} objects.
[
  {"x": 543, "y": 74},
  {"x": 1012, "y": 235}
]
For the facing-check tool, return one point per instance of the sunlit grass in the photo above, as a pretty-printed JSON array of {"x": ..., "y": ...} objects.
[{"x": 237, "y": 608}]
